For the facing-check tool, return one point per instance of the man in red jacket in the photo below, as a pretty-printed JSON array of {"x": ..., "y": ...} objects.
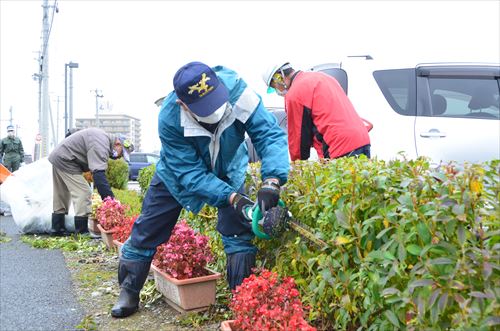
[{"x": 319, "y": 113}]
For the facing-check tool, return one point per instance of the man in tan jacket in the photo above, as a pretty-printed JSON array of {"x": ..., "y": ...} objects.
[{"x": 85, "y": 150}]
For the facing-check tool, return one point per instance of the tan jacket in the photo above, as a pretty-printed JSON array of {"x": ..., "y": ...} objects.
[{"x": 85, "y": 150}]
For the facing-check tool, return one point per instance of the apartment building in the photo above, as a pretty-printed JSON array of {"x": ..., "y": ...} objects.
[{"x": 115, "y": 124}]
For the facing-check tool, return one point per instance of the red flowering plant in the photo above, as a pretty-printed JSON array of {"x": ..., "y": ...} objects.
[
  {"x": 185, "y": 254},
  {"x": 111, "y": 213},
  {"x": 124, "y": 229},
  {"x": 264, "y": 301}
]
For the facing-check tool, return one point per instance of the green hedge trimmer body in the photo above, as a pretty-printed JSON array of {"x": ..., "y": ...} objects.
[{"x": 276, "y": 221}]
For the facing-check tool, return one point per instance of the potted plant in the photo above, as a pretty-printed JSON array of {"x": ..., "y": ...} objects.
[
  {"x": 96, "y": 203},
  {"x": 110, "y": 214},
  {"x": 180, "y": 273},
  {"x": 122, "y": 231},
  {"x": 264, "y": 301}
]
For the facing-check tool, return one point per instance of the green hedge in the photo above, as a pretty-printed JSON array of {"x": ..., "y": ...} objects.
[
  {"x": 117, "y": 174},
  {"x": 131, "y": 199},
  {"x": 409, "y": 246},
  {"x": 144, "y": 178}
]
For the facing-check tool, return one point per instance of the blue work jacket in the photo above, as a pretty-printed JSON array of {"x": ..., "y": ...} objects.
[{"x": 199, "y": 167}]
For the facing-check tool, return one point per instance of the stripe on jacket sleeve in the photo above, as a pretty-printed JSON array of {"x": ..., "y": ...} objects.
[
  {"x": 246, "y": 105},
  {"x": 306, "y": 134}
]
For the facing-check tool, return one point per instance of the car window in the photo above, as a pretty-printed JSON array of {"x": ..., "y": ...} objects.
[
  {"x": 152, "y": 158},
  {"x": 466, "y": 97},
  {"x": 398, "y": 88},
  {"x": 334, "y": 70},
  {"x": 339, "y": 74},
  {"x": 137, "y": 157}
]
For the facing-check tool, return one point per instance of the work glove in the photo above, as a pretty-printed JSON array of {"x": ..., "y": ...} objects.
[
  {"x": 268, "y": 195},
  {"x": 241, "y": 203}
]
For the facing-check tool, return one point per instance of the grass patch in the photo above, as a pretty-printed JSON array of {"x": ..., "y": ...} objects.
[
  {"x": 69, "y": 243},
  {"x": 92, "y": 277},
  {"x": 87, "y": 324},
  {"x": 4, "y": 238}
]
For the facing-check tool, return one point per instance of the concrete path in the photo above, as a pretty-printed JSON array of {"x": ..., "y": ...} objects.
[{"x": 35, "y": 287}]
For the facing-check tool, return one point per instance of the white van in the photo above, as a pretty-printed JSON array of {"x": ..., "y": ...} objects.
[{"x": 445, "y": 111}]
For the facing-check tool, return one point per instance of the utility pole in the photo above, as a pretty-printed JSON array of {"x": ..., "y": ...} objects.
[
  {"x": 10, "y": 111},
  {"x": 98, "y": 94},
  {"x": 68, "y": 116},
  {"x": 71, "y": 66},
  {"x": 44, "y": 72},
  {"x": 43, "y": 77},
  {"x": 57, "y": 121}
]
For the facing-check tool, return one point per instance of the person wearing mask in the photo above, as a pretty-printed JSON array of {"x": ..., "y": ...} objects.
[
  {"x": 203, "y": 160},
  {"x": 319, "y": 113},
  {"x": 84, "y": 150},
  {"x": 11, "y": 150}
]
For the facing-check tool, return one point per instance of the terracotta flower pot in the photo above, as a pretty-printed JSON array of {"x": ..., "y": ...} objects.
[
  {"x": 192, "y": 294},
  {"x": 107, "y": 237},
  {"x": 93, "y": 226},
  {"x": 226, "y": 325},
  {"x": 118, "y": 245}
]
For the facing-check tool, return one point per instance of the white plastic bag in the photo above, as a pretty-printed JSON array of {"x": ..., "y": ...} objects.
[{"x": 28, "y": 192}]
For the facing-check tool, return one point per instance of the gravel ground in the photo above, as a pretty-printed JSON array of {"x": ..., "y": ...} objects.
[{"x": 94, "y": 278}]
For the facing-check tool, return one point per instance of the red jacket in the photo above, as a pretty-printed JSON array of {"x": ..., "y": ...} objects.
[{"x": 321, "y": 116}]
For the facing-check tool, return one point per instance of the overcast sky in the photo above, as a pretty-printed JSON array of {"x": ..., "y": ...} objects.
[{"x": 130, "y": 50}]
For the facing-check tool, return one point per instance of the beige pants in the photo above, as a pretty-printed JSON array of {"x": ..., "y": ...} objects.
[{"x": 70, "y": 188}]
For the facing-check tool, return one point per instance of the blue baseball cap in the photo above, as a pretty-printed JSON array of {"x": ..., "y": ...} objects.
[{"x": 197, "y": 85}]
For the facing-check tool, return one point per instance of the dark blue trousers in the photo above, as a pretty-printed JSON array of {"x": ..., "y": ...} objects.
[{"x": 160, "y": 212}]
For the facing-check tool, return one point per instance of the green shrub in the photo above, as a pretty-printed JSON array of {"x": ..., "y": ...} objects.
[
  {"x": 117, "y": 174},
  {"x": 130, "y": 198},
  {"x": 144, "y": 178},
  {"x": 409, "y": 247}
]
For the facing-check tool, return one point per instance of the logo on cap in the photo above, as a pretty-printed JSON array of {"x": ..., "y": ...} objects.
[
  {"x": 201, "y": 86},
  {"x": 198, "y": 86}
]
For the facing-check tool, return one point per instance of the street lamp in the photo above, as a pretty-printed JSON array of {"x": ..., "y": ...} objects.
[
  {"x": 68, "y": 123},
  {"x": 98, "y": 94}
]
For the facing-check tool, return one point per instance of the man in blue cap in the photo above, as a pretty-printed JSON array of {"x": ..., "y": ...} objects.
[{"x": 203, "y": 160}]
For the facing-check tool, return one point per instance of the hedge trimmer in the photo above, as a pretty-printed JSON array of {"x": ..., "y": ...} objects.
[{"x": 277, "y": 220}]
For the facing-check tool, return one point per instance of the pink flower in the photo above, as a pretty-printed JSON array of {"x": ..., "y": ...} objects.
[
  {"x": 185, "y": 255},
  {"x": 123, "y": 230},
  {"x": 111, "y": 213}
]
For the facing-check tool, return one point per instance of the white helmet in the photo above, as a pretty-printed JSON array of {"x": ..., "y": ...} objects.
[{"x": 268, "y": 74}]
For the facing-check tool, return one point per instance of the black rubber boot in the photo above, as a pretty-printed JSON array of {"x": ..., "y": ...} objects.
[
  {"x": 239, "y": 267},
  {"x": 81, "y": 224},
  {"x": 132, "y": 275},
  {"x": 58, "y": 228}
]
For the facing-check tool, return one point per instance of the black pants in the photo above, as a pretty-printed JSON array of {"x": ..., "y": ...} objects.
[{"x": 358, "y": 151}]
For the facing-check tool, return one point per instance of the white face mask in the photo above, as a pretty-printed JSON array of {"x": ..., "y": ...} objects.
[
  {"x": 281, "y": 93},
  {"x": 213, "y": 118}
]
